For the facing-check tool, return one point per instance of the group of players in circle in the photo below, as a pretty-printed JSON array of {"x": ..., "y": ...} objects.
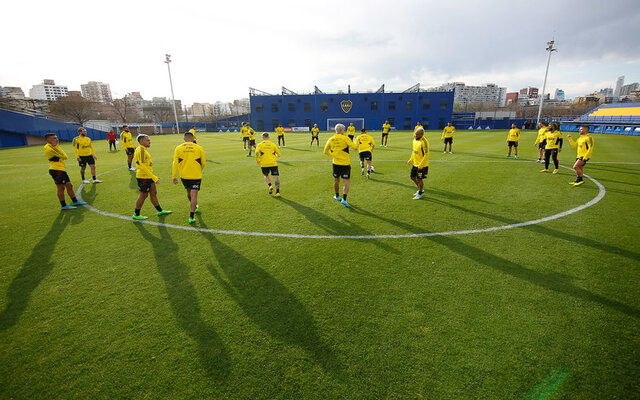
[{"x": 189, "y": 159}]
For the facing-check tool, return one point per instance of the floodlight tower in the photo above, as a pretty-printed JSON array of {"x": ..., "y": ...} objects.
[
  {"x": 544, "y": 84},
  {"x": 167, "y": 60}
]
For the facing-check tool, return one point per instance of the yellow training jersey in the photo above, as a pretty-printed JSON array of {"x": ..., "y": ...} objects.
[
  {"x": 280, "y": 131},
  {"x": 189, "y": 158},
  {"x": 266, "y": 153},
  {"x": 338, "y": 147},
  {"x": 541, "y": 134},
  {"x": 193, "y": 132},
  {"x": 314, "y": 132},
  {"x": 82, "y": 146},
  {"x": 364, "y": 142},
  {"x": 245, "y": 131},
  {"x": 126, "y": 140},
  {"x": 553, "y": 139},
  {"x": 585, "y": 146},
  {"x": 386, "y": 128},
  {"x": 251, "y": 133},
  {"x": 448, "y": 132},
  {"x": 514, "y": 135},
  {"x": 417, "y": 126},
  {"x": 56, "y": 157},
  {"x": 351, "y": 130},
  {"x": 420, "y": 154},
  {"x": 144, "y": 166}
]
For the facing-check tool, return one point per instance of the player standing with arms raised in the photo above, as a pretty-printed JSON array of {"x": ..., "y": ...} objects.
[
  {"x": 386, "y": 127},
  {"x": 127, "y": 143},
  {"x": 189, "y": 159},
  {"x": 447, "y": 136},
  {"x": 146, "y": 179},
  {"x": 419, "y": 161},
  {"x": 512, "y": 139},
  {"x": 57, "y": 170},
  {"x": 585, "y": 150},
  {"x": 338, "y": 148},
  {"x": 266, "y": 154},
  {"x": 314, "y": 135},
  {"x": 365, "y": 145}
]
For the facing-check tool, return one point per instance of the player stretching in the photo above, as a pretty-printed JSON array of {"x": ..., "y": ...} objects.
[
  {"x": 127, "y": 143},
  {"x": 266, "y": 154},
  {"x": 365, "y": 145},
  {"x": 338, "y": 148},
  {"x": 512, "y": 139},
  {"x": 585, "y": 149},
  {"x": 252, "y": 139},
  {"x": 189, "y": 158},
  {"x": 280, "y": 132},
  {"x": 146, "y": 179},
  {"x": 245, "y": 135},
  {"x": 553, "y": 140},
  {"x": 85, "y": 154},
  {"x": 419, "y": 161},
  {"x": 540, "y": 139},
  {"x": 314, "y": 135},
  {"x": 351, "y": 131},
  {"x": 386, "y": 127},
  {"x": 57, "y": 170},
  {"x": 447, "y": 136}
]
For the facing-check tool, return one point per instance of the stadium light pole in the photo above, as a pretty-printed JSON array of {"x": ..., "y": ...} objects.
[
  {"x": 167, "y": 60},
  {"x": 544, "y": 84}
]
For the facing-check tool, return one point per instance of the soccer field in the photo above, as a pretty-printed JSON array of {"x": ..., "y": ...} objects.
[{"x": 501, "y": 283}]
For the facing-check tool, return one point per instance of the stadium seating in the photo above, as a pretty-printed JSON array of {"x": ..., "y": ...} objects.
[{"x": 616, "y": 119}]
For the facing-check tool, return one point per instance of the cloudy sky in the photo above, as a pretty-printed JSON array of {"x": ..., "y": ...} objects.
[{"x": 221, "y": 48}]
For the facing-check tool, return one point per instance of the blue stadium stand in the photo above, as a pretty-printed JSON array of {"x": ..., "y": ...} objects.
[{"x": 614, "y": 119}]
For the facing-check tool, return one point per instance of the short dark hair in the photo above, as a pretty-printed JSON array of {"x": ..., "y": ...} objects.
[
  {"x": 188, "y": 135},
  {"x": 555, "y": 125},
  {"x": 585, "y": 126},
  {"x": 48, "y": 135},
  {"x": 265, "y": 135},
  {"x": 125, "y": 126},
  {"x": 363, "y": 130},
  {"x": 544, "y": 123}
]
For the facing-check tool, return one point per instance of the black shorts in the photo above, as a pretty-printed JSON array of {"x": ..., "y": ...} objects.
[
  {"x": 191, "y": 184},
  {"x": 272, "y": 170},
  {"x": 582, "y": 159},
  {"x": 551, "y": 153},
  {"x": 59, "y": 177},
  {"x": 144, "y": 184},
  {"x": 385, "y": 134},
  {"x": 350, "y": 137},
  {"x": 513, "y": 143},
  {"x": 420, "y": 173},
  {"x": 365, "y": 155},
  {"x": 130, "y": 151},
  {"x": 84, "y": 160},
  {"x": 342, "y": 171},
  {"x": 245, "y": 138},
  {"x": 542, "y": 144},
  {"x": 448, "y": 140},
  {"x": 252, "y": 142}
]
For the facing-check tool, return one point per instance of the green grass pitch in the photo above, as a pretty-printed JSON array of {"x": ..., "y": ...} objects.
[{"x": 93, "y": 306}]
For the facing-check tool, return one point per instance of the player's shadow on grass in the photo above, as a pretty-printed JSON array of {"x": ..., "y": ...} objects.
[
  {"x": 34, "y": 270},
  {"x": 454, "y": 196},
  {"x": 553, "y": 281},
  {"x": 394, "y": 183},
  {"x": 293, "y": 148},
  {"x": 335, "y": 227},
  {"x": 474, "y": 154},
  {"x": 184, "y": 302},
  {"x": 267, "y": 302},
  {"x": 612, "y": 168},
  {"x": 133, "y": 182}
]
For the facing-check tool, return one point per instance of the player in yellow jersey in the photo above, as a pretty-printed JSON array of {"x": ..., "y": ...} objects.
[
  {"x": 127, "y": 143},
  {"x": 386, "y": 127},
  {"x": 338, "y": 148},
  {"x": 245, "y": 135},
  {"x": 280, "y": 133},
  {"x": 553, "y": 145},
  {"x": 85, "y": 154},
  {"x": 585, "y": 150},
  {"x": 419, "y": 161},
  {"x": 542, "y": 131},
  {"x": 512, "y": 139},
  {"x": 189, "y": 159},
  {"x": 447, "y": 136},
  {"x": 193, "y": 132},
  {"x": 147, "y": 181},
  {"x": 365, "y": 145},
  {"x": 418, "y": 125},
  {"x": 252, "y": 139},
  {"x": 57, "y": 170},
  {"x": 266, "y": 154},
  {"x": 314, "y": 135},
  {"x": 351, "y": 131}
]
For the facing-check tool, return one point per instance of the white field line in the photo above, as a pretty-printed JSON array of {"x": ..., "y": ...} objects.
[{"x": 599, "y": 196}]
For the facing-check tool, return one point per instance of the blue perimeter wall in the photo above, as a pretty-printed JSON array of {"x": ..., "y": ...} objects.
[
  {"x": 433, "y": 109},
  {"x": 14, "y": 126}
]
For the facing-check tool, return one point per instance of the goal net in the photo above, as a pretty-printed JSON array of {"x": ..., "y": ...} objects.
[{"x": 358, "y": 123}]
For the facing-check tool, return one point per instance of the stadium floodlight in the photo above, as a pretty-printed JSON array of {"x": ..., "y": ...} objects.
[
  {"x": 167, "y": 60},
  {"x": 544, "y": 84}
]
